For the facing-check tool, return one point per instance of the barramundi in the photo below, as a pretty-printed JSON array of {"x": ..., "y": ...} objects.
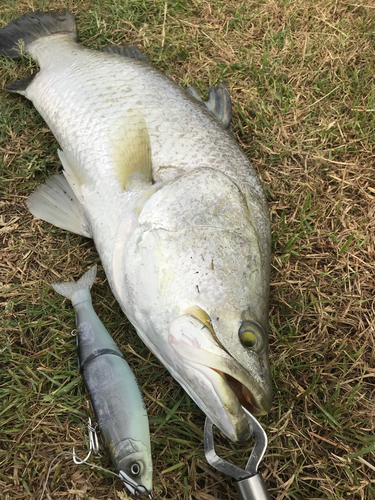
[{"x": 177, "y": 213}]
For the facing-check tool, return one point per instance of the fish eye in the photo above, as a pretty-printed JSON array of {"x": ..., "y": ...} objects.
[
  {"x": 250, "y": 334},
  {"x": 135, "y": 468}
]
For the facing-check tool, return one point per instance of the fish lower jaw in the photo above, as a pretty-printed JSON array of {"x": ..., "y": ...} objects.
[
  {"x": 222, "y": 406},
  {"x": 232, "y": 389},
  {"x": 214, "y": 379},
  {"x": 233, "y": 395}
]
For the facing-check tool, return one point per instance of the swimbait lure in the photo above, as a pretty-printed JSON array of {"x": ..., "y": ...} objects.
[{"x": 113, "y": 389}]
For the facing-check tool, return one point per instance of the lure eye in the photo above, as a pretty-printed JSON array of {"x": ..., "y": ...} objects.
[
  {"x": 250, "y": 334},
  {"x": 135, "y": 469}
]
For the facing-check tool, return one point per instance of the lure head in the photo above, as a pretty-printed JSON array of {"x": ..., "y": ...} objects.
[{"x": 136, "y": 473}]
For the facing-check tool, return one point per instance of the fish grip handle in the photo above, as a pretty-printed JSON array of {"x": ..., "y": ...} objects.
[
  {"x": 253, "y": 488},
  {"x": 249, "y": 482}
]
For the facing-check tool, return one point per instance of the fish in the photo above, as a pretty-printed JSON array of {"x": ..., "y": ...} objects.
[
  {"x": 153, "y": 174},
  {"x": 114, "y": 393}
]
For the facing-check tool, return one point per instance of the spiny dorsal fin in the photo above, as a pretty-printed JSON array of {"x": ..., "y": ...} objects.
[
  {"x": 218, "y": 103},
  {"x": 191, "y": 90},
  {"x": 132, "y": 148},
  {"x": 56, "y": 203},
  {"x": 127, "y": 51}
]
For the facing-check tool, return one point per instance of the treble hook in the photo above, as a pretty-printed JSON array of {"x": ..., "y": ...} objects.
[
  {"x": 93, "y": 443},
  {"x": 80, "y": 461},
  {"x": 93, "y": 437},
  {"x": 93, "y": 429}
]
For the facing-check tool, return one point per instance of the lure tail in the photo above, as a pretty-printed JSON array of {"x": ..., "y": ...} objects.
[
  {"x": 85, "y": 282},
  {"x": 30, "y": 27}
]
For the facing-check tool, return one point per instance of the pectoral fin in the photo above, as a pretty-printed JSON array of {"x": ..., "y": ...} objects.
[{"x": 131, "y": 148}]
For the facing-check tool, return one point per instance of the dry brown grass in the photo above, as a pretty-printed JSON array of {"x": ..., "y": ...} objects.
[{"x": 301, "y": 79}]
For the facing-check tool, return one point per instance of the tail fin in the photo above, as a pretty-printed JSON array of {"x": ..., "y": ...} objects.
[
  {"x": 67, "y": 289},
  {"x": 32, "y": 26}
]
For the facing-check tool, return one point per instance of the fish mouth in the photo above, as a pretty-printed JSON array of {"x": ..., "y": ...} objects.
[
  {"x": 244, "y": 395},
  {"x": 240, "y": 384},
  {"x": 234, "y": 386}
]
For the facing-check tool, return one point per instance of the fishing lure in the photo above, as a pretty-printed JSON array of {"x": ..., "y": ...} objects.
[{"x": 113, "y": 389}]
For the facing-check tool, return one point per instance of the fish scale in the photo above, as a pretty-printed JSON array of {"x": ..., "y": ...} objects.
[{"x": 171, "y": 114}]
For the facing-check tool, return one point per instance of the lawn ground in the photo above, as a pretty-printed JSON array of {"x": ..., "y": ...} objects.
[{"x": 301, "y": 77}]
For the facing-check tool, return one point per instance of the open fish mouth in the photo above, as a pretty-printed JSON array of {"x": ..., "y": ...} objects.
[
  {"x": 234, "y": 386},
  {"x": 244, "y": 395},
  {"x": 248, "y": 393}
]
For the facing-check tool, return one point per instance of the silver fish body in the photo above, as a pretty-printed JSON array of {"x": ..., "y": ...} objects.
[
  {"x": 113, "y": 389},
  {"x": 177, "y": 213}
]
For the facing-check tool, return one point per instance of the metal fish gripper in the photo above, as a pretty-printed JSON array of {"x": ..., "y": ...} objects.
[{"x": 249, "y": 482}]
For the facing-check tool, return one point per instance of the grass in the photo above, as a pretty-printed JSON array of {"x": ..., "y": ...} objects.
[{"x": 301, "y": 77}]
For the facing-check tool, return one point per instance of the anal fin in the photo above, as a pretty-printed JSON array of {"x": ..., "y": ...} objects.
[
  {"x": 56, "y": 203},
  {"x": 20, "y": 86}
]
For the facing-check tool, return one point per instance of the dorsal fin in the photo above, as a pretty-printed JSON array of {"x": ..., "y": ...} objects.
[
  {"x": 218, "y": 103},
  {"x": 127, "y": 51},
  {"x": 132, "y": 148},
  {"x": 191, "y": 90}
]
